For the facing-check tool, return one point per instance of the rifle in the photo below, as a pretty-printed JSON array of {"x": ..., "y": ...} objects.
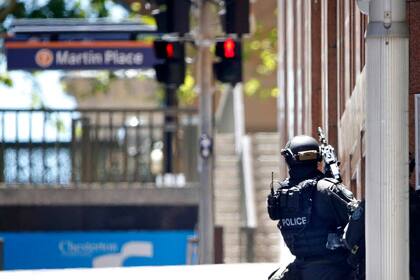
[{"x": 331, "y": 163}]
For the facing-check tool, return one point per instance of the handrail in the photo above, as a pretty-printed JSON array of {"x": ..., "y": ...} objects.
[
  {"x": 244, "y": 152},
  {"x": 239, "y": 115},
  {"x": 248, "y": 177}
]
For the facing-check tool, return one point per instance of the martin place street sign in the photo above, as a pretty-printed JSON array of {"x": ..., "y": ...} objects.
[{"x": 79, "y": 55}]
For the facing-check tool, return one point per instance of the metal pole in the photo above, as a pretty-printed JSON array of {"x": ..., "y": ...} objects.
[
  {"x": 170, "y": 118},
  {"x": 387, "y": 141},
  {"x": 281, "y": 77},
  {"x": 206, "y": 218}
]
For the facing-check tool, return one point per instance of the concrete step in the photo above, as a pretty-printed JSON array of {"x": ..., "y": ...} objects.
[
  {"x": 271, "y": 158},
  {"x": 263, "y": 179},
  {"x": 266, "y": 167},
  {"x": 226, "y": 206},
  {"x": 223, "y": 208},
  {"x": 232, "y": 239},
  {"x": 224, "y": 137},
  {"x": 264, "y": 136},
  {"x": 224, "y": 145},
  {"x": 264, "y": 146},
  {"x": 223, "y": 151},
  {"x": 226, "y": 161},
  {"x": 229, "y": 219},
  {"x": 227, "y": 193},
  {"x": 226, "y": 158},
  {"x": 227, "y": 177},
  {"x": 268, "y": 157},
  {"x": 267, "y": 254},
  {"x": 225, "y": 183},
  {"x": 230, "y": 230},
  {"x": 223, "y": 189}
]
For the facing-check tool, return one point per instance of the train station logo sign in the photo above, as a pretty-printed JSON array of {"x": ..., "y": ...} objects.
[
  {"x": 79, "y": 55},
  {"x": 44, "y": 58}
]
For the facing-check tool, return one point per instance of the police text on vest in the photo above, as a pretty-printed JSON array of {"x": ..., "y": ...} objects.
[{"x": 294, "y": 221}]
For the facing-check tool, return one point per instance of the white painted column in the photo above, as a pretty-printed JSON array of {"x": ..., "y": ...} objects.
[{"x": 387, "y": 142}]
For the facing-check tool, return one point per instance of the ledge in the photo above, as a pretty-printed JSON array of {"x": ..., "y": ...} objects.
[{"x": 94, "y": 195}]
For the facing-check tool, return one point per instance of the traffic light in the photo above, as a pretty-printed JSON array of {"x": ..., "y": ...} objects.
[
  {"x": 172, "y": 16},
  {"x": 229, "y": 67},
  {"x": 236, "y": 17},
  {"x": 172, "y": 70}
]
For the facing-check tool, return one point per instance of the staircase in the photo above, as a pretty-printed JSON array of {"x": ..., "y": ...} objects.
[
  {"x": 266, "y": 155},
  {"x": 228, "y": 197}
]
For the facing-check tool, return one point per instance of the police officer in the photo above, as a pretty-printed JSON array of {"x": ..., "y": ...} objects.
[
  {"x": 312, "y": 211},
  {"x": 414, "y": 233}
]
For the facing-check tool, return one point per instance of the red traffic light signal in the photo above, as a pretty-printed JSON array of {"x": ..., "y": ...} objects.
[
  {"x": 171, "y": 70},
  {"x": 228, "y": 49},
  {"x": 169, "y": 50},
  {"x": 229, "y": 67}
]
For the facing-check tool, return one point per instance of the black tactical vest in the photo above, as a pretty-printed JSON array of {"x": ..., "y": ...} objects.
[{"x": 303, "y": 231}]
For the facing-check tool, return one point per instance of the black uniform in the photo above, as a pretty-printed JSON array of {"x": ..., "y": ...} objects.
[
  {"x": 312, "y": 211},
  {"x": 354, "y": 238},
  {"x": 414, "y": 234}
]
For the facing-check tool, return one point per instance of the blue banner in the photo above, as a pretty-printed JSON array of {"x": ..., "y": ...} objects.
[
  {"x": 79, "y": 55},
  {"x": 94, "y": 249}
]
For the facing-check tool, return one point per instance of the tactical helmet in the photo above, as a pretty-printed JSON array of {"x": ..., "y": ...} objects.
[{"x": 301, "y": 150}]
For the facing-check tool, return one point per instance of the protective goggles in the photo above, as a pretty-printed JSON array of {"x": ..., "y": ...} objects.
[{"x": 301, "y": 156}]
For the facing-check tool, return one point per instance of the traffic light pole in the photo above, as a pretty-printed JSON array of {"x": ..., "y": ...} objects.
[
  {"x": 206, "y": 207},
  {"x": 170, "y": 119}
]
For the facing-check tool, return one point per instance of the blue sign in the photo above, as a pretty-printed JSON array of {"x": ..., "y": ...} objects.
[
  {"x": 79, "y": 55},
  {"x": 94, "y": 249}
]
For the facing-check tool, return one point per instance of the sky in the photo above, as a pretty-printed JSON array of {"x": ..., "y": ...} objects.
[{"x": 50, "y": 91}]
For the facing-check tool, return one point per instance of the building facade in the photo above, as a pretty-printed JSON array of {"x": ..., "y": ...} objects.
[{"x": 322, "y": 77}]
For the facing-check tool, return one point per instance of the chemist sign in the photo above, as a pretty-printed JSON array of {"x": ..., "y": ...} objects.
[
  {"x": 79, "y": 55},
  {"x": 45, "y": 250}
]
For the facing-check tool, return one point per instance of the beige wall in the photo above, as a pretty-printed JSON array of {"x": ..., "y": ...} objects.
[{"x": 260, "y": 112}]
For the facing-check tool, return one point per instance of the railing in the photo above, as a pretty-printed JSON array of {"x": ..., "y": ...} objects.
[
  {"x": 244, "y": 151},
  {"x": 67, "y": 147}
]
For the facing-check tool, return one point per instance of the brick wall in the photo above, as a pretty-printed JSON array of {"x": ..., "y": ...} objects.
[{"x": 413, "y": 18}]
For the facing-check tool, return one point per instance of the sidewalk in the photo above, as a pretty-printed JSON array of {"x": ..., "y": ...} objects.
[{"x": 245, "y": 271}]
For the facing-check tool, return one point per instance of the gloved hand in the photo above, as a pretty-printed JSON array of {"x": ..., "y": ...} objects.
[{"x": 273, "y": 206}]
